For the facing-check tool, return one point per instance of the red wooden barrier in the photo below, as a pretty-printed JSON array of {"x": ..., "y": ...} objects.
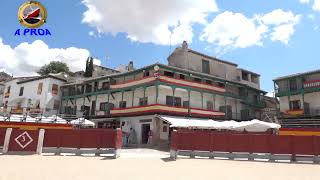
[
  {"x": 251, "y": 143},
  {"x": 260, "y": 143},
  {"x": 2, "y": 136},
  {"x": 220, "y": 142},
  {"x": 239, "y": 143},
  {"x": 21, "y": 140},
  {"x": 83, "y": 138}
]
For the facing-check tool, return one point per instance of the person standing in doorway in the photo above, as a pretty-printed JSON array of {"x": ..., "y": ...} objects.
[{"x": 150, "y": 137}]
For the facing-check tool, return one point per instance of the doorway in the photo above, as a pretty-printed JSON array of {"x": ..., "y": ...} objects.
[{"x": 145, "y": 128}]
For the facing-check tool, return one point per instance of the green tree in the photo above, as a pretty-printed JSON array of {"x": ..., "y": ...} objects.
[
  {"x": 54, "y": 67},
  {"x": 89, "y": 67}
]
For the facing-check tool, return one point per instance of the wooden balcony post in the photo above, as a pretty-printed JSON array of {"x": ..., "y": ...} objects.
[
  {"x": 157, "y": 92},
  {"x": 132, "y": 103},
  {"x": 189, "y": 111}
]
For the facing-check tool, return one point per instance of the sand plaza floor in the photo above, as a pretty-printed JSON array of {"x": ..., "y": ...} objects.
[{"x": 142, "y": 163}]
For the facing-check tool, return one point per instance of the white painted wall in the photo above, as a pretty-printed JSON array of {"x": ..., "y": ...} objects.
[
  {"x": 312, "y": 98},
  {"x": 135, "y": 123},
  {"x": 2, "y": 86},
  {"x": 30, "y": 92}
]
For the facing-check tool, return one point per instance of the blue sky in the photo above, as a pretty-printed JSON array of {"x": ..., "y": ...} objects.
[{"x": 237, "y": 31}]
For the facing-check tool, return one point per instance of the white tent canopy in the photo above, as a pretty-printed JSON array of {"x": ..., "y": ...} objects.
[
  {"x": 43, "y": 119},
  {"x": 82, "y": 121},
  {"x": 250, "y": 126},
  {"x": 52, "y": 119}
]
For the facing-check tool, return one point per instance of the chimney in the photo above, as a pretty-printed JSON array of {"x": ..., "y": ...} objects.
[
  {"x": 130, "y": 66},
  {"x": 184, "y": 45}
]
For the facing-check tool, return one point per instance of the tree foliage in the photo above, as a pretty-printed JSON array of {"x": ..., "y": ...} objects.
[
  {"x": 54, "y": 67},
  {"x": 89, "y": 67}
]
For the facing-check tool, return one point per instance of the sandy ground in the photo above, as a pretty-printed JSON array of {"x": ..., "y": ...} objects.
[{"x": 149, "y": 165}]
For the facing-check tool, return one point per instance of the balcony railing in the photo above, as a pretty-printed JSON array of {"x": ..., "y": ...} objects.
[
  {"x": 308, "y": 86},
  {"x": 149, "y": 79},
  {"x": 311, "y": 84},
  {"x": 295, "y": 112},
  {"x": 160, "y": 108}
]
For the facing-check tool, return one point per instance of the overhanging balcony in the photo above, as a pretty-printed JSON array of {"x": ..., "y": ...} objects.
[{"x": 164, "y": 109}]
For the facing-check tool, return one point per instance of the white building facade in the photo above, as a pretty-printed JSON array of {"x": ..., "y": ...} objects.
[
  {"x": 33, "y": 94},
  {"x": 186, "y": 87},
  {"x": 299, "y": 94},
  {"x": 2, "y": 86}
]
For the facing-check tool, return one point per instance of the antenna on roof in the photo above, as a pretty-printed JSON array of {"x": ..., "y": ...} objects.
[
  {"x": 107, "y": 58},
  {"x": 170, "y": 44}
]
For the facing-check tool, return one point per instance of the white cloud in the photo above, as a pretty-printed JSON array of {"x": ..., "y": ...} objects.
[
  {"x": 158, "y": 22},
  {"x": 283, "y": 24},
  {"x": 235, "y": 30},
  {"x": 282, "y": 33},
  {"x": 304, "y": 1},
  {"x": 279, "y": 17},
  {"x": 316, "y": 5},
  {"x": 25, "y": 59}
]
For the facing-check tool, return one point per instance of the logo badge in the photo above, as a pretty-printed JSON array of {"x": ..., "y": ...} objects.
[
  {"x": 23, "y": 139},
  {"x": 32, "y": 14}
]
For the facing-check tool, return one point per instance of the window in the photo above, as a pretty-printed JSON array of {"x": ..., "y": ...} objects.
[
  {"x": 208, "y": 82},
  {"x": 293, "y": 85},
  {"x": 245, "y": 76},
  {"x": 169, "y": 74},
  {"x": 96, "y": 85},
  {"x": 113, "y": 81},
  {"x": 182, "y": 76},
  {"x": 88, "y": 88},
  {"x": 165, "y": 129},
  {"x": 186, "y": 104},
  {"x": 80, "y": 89},
  {"x": 106, "y": 106},
  {"x": 143, "y": 101},
  {"x": 67, "y": 110},
  {"x": 40, "y": 85},
  {"x": 221, "y": 84},
  {"x": 227, "y": 110},
  {"x": 105, "y": 85},
  {"x": 21, "y": 91},
  {"x": 122, "y": 104},
  {"x": 197, "y": 79},
  {"x": 146, "y": 73},
  {"x": 294, "y": 105},
  {"x": 103, "y": 106},
  {"x": 243, "y": 92},
  {"x": 56, "y": 104},
  {"x": 55, "y": 89},
  {"x": 173, "y": 101},
  {"x": 209, "y": 105},
  {"x": 205, "y": 66}
]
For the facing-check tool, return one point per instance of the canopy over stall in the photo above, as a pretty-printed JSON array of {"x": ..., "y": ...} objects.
[
  {"x": 83, "y": 122},
  {"x": 194, "y": 123},
  {"x": 27, "y": 118}
]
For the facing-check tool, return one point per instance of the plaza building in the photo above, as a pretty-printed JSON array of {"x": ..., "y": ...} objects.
[
  {"x": 299, "y": 95},
  {"x": 192, "y": 85},
  {"x": 36, "y": 94}
]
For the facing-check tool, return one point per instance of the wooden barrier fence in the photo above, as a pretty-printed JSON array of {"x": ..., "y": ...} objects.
[
  {"x": 244, "y": 145},
  {"x": 77, "y": 141}
]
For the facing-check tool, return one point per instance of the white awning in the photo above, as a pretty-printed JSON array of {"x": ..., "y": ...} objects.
[
  {"x": 195, "y": 123},
  {"x": 83, "y": 122}
]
